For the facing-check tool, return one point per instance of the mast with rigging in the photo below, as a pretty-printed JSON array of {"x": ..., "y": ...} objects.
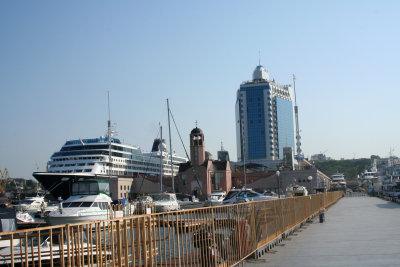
[
  {"x": 170, "y": 149},
  {"x": 161, "y": 147},
  {"x": 109, "y": 135}
]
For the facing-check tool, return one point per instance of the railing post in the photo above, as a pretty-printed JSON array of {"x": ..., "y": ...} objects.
[
  {"x": 238, "y": 230},
  {"x": 177, "y": 239},
  {"x": 119, "y": 249},
  {"x": 213, "y": 234},
  {"x": 12, "y": 249},
  {"x": 150, "y": 240}
]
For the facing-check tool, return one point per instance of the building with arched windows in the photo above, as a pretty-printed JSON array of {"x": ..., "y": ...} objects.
[{"x": 202, "y": 175}]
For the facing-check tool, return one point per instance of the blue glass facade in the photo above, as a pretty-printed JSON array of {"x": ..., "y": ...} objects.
[
  {"x": 284, "y": 114},
  {"x": 255, "y": 121}
]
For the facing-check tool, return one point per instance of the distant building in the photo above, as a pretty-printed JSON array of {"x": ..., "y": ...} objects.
[
  {"x": 223, "y": 154},
  {"x": 265, "y": 121},
  {"x": 202, "y": 175},
  {"x": 318, "y": 157},
  {"x": 288, "y": 158}
]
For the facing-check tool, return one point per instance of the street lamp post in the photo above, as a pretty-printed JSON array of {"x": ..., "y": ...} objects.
[
  {"x": 277, "y": 181},
  {"x": 309, "y": 178}
]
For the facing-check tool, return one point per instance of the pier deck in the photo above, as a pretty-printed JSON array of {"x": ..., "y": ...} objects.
[{"x": 358, "y": 231}]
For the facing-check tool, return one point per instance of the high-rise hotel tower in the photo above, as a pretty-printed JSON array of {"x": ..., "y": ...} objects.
[{"x": 265, "y": 120}]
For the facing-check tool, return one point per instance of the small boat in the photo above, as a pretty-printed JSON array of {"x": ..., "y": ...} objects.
[
  {"x": 243, "y": 195},
  {"x": 296, "y": 191},
  {"x": 90, "y": 201},
  {"x": 165, "y": 202},
  {"x": 30, "y": 204},
  {"x": 216, "y": 198},
  {"x": 24, "y": 217}
]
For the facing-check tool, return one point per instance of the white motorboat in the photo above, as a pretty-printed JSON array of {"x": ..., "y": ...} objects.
[
  {"x": 90, "y": 201},
  {"x": 24, "y": 217},
  {"x": 244, "y": 195},
  {"x": 165, "y": 202},
  {"x": 216, "y": 198},
  {"x": 296, "y": 191},
  {"x": 30, "y": 204}
]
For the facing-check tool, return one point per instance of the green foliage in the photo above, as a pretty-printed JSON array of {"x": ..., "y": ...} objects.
[
  {"x": 350, "y": 168},
  {"x": 11, "y": 184},
  {"x": 30, "y": 184}
]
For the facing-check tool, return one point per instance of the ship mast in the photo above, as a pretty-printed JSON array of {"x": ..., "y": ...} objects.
[
  {"x": 170, "y": 150},
  {"x": 109, "y": 135},
  {"x": 161, "y": 160}
]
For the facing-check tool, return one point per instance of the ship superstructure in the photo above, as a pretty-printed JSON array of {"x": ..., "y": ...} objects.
[
  {"x": 102, "y": 158},
  {"x": 92, "y": 156}
]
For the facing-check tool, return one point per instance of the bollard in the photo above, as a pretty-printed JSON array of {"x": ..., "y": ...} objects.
[{"x": 321, "y": 217}]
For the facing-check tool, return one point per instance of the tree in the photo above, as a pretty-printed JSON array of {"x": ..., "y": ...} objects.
[
  {"x": 350, "y": 168},
  {"x": 30, "y": 184}
]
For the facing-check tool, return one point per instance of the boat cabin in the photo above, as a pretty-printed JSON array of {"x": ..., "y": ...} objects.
[{"x": 91, "y": 187}]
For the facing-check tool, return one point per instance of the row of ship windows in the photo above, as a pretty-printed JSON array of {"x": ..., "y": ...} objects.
[
  {"x": 80, "y": 158},
  {"x": 112, "y": 173},
  {"x": 132, "y": 173},
  {"x": 70, "y": 171},
  {"x": 92, "y": 163},
  {"x": 166, "y": 167},
  {"x": 71, "y": 165},
  {"x": 140, "y": 159},
  {"x": 128, "y": 161}
]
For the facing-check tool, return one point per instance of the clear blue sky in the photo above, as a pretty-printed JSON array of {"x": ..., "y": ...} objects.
[{"x": 58, "y": 59}]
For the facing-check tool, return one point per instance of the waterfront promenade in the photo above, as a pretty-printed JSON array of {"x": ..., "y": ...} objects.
[{"x": 358, "y": 231}]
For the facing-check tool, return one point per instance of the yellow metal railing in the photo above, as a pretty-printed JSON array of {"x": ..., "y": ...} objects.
[{"x": 212, "y": 236}]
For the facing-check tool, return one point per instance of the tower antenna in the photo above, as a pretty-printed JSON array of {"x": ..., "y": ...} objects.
[
  {"x": 259, "y": 58},
  {"x": 296, "y": 113},
  {"x": 242, "y": 149}
]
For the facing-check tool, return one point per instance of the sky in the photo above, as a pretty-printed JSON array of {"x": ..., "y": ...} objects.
[{"x": 58, "y": 60}]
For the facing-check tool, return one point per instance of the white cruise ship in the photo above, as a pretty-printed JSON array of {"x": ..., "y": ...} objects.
[{"x": 103, "y": 158}]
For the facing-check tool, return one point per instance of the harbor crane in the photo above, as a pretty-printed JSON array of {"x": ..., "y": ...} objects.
[{"x": 4, "y": 174}]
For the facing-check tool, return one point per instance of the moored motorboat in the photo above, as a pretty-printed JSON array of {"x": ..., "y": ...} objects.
[
  {"x": 24, "y": 217},
  {"x": 31, "y": 204},
  {"x": 90, "y": 201},
  {"x": 296, "y": 191},
  {"x": 165, "y": 202},
  {"x": 216, "y": 198}
]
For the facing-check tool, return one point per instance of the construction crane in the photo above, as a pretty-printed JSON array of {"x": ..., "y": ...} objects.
[
  {"x": 3, "y": 182},
  {"x": 4, "y": 174}
]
